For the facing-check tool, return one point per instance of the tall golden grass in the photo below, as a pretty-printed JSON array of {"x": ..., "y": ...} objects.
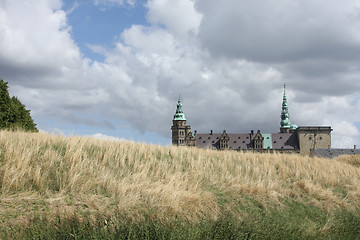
[{"x": 63, "y": 175}]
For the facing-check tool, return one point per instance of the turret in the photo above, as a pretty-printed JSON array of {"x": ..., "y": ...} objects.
[{"x": 181, "y": 133}]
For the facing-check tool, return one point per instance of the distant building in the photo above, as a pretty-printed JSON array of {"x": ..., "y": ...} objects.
[
  {"x": 181, "y": 133},
  {"x": 290, "y": 138},
  {"x": 333, "y": 153}
]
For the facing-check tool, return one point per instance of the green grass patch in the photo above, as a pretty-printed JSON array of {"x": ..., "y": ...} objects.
[{"x": 293, "y": 221}]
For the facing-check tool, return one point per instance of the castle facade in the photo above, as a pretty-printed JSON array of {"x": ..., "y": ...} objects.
[{"x": 290, "y": 138}]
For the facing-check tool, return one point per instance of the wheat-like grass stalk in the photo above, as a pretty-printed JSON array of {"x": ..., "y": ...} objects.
[{"x": 165, "y": 181}]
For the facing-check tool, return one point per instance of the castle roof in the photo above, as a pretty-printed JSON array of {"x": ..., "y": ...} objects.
[{"x": 242, "y": 141}]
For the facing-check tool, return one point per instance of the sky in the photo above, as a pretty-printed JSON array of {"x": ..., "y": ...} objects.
[{"x": 115, "y": 68}]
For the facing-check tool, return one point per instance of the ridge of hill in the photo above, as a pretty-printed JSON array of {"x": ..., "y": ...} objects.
[{"x": 118, "y": 187}]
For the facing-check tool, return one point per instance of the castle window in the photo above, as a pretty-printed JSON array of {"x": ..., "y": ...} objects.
[
  {"x": 320, "y": 138},
  {"x": 309, "y": 138},
  {"x": 212, "y": 141},
  {"x": 204, "y": 141},
  {"x": 247, "y": 137},
  {"x": 208, "y": 137},
  {"x": 243, "y": 141},
  {"x": 239, "y": 137},
  {"x": 274, "y": 141},
  {"x": 217, "y": 137},
  {"x": 234, "y": 141},
  {"x": 280, "y": 137},
  {"x": 267, "y": 138},
  {"x": 199, "y": 137}
]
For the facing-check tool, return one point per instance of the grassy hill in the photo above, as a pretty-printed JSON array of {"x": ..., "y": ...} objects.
[{"x": 85, "y": 188}]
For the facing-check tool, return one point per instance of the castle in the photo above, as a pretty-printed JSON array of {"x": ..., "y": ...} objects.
[{"x": 290, "y": 138}]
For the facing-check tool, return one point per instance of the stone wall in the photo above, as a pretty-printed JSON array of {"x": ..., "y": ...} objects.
[{"x": 313, "y": 138}]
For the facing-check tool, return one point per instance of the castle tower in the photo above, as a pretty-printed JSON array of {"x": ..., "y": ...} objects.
[
  {"x": 285, "y": 116},
  {"x": 179, "y": 128}
]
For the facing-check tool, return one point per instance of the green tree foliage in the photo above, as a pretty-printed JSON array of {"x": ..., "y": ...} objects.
[{"x": 13, "y": 114}]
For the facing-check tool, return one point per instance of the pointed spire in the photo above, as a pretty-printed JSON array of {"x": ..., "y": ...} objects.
[
  {"x": 285, "y": 116},
  {"x": 179, "y": 115}
]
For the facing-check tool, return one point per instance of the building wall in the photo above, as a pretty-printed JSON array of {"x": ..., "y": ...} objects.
[
  {"x": 179, "y": 132},
  {"x": 313, "y": 138}
]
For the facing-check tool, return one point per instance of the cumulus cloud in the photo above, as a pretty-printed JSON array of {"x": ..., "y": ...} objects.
[
  {"x": 228, "y": 60},
  {"x": 105, "y": 137},
  {"x": 273, "y": 31},
  {"x": 179, "y": 17},
  {"x": 313, "y": 43}
]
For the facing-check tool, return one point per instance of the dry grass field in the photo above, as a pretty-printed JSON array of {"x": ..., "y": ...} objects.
[{"x": 60, "y": 177}]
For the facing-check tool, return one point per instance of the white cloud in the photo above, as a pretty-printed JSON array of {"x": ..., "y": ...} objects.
[
  {"x": 227, "y": 59},
  {"x": 105, "y": 137},
  {"x": 179, "y": 17},
  {"x": 344, "y": 135},
  {"x": 274, "y": 31}
]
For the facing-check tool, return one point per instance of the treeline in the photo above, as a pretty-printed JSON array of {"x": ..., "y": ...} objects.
[{"x": 13, "y": 114}]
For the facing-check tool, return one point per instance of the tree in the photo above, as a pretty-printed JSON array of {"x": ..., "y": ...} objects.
[{"x": 13, "y": 114}]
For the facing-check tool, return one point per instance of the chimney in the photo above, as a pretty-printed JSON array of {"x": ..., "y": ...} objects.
[
  {"x": 354, "y": 147},
  {"x": 211, "y": 132}
]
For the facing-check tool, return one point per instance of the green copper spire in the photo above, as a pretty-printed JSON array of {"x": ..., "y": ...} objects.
[
  {"x": 179, "y": 115},
  {"x": 285, "y": 116}
]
